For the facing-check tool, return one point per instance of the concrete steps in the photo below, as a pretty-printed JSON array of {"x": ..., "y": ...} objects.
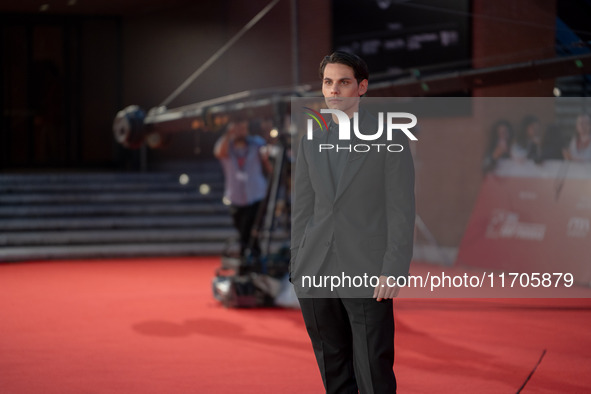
[
  {"x": 101, "y": 215},
  {"x": 109, "y": 251},
  {"x": 113, "y": 222}
]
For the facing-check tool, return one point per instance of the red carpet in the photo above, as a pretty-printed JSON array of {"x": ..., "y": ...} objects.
[{"x": 152, "y": 326}]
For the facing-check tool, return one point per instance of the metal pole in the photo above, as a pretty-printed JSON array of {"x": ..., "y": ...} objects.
[
  {"x": 295, "y": 54},
  {"x": 219, "y": 53}
]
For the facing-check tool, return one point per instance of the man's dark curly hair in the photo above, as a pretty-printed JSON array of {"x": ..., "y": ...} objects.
[{"x": 348, "y": 59}]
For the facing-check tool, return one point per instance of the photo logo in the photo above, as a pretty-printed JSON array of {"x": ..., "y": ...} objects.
[
  {"x": 317, "y": 117},
  {"x": 344, "y": 126}
]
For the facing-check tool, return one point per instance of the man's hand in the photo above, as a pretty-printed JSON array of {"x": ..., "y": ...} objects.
[{"x": 385, "y": 292}]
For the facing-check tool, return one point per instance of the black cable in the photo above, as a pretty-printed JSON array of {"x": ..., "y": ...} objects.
[{"x": 532, "y": 372}]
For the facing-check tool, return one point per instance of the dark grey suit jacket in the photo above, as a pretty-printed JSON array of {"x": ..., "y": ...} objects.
[{"x": 368, "y": 220}]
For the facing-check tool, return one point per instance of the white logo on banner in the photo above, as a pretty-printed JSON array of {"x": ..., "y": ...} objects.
[
  {"x": 505, "y": 224},
  {"x": 578, "y": 227}
]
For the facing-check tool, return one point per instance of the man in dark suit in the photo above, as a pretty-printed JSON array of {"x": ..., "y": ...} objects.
[{"x": 353, "y": 216}]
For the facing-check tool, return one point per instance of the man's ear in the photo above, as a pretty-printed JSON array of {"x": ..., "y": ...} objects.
[{"x": 362, "y": 87}]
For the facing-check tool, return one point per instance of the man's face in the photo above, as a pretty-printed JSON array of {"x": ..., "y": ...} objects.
[
  {"x": 239, "y": 129},
  {"x": 340, "y": 88}
]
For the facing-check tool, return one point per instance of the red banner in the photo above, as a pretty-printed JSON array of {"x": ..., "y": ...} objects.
[{"x": 532, "y": 218}]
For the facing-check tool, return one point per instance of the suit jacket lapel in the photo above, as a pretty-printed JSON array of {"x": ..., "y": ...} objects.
[
  {"x": 321, "y": 164},
  {"x": 353, "y": 165},
  {"x": 355, "y": 159},
  {"x": 354, "y": 162}
]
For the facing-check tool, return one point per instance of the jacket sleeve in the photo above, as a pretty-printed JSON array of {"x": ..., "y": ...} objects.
[
  {"x": 303, "y": 200},
  {"x": 400, "y": 209}
]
